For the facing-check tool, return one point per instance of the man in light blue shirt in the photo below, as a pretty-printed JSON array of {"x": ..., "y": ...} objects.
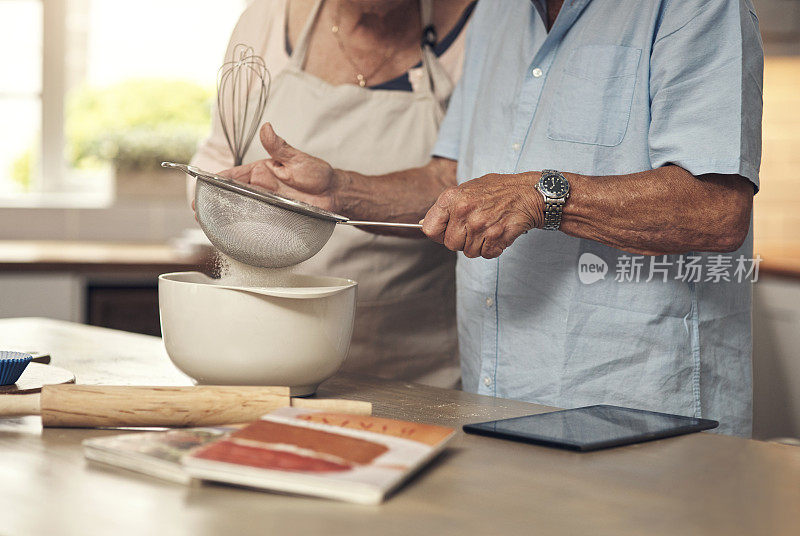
[{"x": 646, "y": 118}]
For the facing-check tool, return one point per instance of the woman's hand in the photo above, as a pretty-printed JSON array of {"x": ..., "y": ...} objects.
[
  {"x": 484, "y": 216},
  {"x": 289, "y": 172}
]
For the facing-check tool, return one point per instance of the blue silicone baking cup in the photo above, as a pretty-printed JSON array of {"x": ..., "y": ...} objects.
[{"x": 12, "y": 365}]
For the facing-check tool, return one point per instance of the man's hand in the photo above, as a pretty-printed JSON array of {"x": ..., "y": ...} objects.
[
  {"x": 289, "y": 172},
  {"x": 484, "y": 216}
]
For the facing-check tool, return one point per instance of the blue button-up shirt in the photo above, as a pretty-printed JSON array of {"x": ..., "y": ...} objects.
[{"x": 615, "y": 87}]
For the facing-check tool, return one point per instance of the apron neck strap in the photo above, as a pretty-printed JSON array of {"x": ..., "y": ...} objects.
[
  {"x": 429, "y": 39},
  {"x": 298, "y": 58},
  {"x": 426, "y": 13}
]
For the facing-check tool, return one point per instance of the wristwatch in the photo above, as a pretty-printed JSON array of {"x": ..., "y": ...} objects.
[{"x": 554, "y": 187}]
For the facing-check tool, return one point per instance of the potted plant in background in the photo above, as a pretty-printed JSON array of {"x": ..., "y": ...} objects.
[
  {"x": 134, "y": 126},
  {"x": 131, "y": 127}
]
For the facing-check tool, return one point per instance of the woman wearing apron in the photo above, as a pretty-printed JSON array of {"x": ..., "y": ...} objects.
[{"x": 405, "y": 317}]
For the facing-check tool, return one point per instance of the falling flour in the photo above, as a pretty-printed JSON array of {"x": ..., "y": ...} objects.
[{"x": 239, "y": 274}]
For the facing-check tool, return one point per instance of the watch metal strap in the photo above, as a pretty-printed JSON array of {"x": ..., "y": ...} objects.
[{"x": 553, "y": 208}]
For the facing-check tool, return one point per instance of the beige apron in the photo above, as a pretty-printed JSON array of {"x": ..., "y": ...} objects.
[{"x": 405, "y": 319}]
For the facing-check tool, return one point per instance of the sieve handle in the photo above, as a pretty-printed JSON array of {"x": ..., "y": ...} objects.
[{"x": 382, "y": 224}]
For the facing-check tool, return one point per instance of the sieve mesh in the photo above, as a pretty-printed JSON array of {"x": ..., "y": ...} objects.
[{"x": 257, "y": 233}]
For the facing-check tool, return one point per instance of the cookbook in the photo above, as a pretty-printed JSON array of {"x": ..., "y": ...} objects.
[
  {"x": 311, "y": 452},
  {"x": 157, "y": 454}
]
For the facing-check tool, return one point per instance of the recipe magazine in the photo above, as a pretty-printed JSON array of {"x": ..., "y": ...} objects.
[
  {"x": 333, "y": 455},
  {"x": 157, "y": 454}
]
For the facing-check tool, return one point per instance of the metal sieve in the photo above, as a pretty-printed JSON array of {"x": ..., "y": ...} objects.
[{"x": 257, "y": 227}]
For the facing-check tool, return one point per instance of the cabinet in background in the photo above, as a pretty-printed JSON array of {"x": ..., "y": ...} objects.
[
  {"x": 112, "y": 285},
  {"x": 126, "y": 303},
  {"x": 49, "y": 295},
  {"x": 129, "y": 307}
]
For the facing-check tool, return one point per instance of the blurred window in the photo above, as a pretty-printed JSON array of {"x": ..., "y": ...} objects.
[
  {"x": 91, "y": 86},
  {"x": 20, "y": 86}
]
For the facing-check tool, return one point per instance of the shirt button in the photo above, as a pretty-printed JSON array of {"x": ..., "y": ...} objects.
[
  {"x": 487, "y": 381},
  {"x": 537, "y": 72},
  {"x": 516, "y": 146},
  {"x": 489, "y": 302}
]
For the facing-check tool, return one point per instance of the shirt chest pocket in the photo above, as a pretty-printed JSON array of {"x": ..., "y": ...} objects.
[{"x": 592, "y": 101}]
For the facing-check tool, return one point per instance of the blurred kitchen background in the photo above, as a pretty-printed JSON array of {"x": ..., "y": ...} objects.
[{"x": 94, "y": 93}]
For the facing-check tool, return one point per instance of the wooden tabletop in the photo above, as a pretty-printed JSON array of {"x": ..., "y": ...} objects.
[{"x": 697, "y": 484}]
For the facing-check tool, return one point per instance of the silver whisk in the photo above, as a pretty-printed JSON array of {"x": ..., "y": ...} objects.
[{"x": 243, "y": 84}]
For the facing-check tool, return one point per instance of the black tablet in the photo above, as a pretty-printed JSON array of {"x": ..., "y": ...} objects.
[{"x": 591, "y": 427}]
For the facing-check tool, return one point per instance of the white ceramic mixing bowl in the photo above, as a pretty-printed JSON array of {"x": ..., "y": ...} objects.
[{"x": 295, "y": 334}]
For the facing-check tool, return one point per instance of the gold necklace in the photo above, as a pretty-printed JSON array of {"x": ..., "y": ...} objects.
[{"x": 361, "y": 78}]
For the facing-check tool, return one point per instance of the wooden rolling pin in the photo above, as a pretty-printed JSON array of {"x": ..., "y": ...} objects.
[{"x": 94, "y": 406}]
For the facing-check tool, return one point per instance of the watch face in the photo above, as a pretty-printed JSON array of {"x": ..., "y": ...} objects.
[{"x": 554, "y": 185}]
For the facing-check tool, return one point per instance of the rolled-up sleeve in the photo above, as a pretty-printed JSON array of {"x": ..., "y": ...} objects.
[{"x": 706, "y": 89}]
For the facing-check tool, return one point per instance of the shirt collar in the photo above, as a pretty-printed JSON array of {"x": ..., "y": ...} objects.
[{"x": 541, "y": 6}]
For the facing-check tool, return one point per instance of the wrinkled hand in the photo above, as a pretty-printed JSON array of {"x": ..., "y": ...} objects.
[
  {"x": 482, "y": 217},
  {"x": 289, "y": 172}
]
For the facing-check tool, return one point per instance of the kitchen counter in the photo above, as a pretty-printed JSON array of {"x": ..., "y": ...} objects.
[
  {"x": 697, "y": 484},
  {"x": 66, "y": 256},
  {"x": 781, "y": 261},
  {"x": 100, "y": 283}
]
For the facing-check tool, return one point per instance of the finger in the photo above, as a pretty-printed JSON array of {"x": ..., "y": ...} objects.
[
  {"x": 474, "y": 246},
  {"x": 477, "y": 229},
  {"x": 493, "y": 244},
  {"x": 280, "y": 171},
  {"x": 498, "y": 238},
  {"x": 287, "y": 191},
  {"x": 276, "y": 146},
  {"x": 455, "y": 236},
  {"x": 491, "y": 251},
  {"x": 239, "y": 173},
  {"x": 263, "y": 176},
  {"x": 434, "y": 224},
  {"x": 285, "y": 180},
  {"x": 476, "y": 236}
]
